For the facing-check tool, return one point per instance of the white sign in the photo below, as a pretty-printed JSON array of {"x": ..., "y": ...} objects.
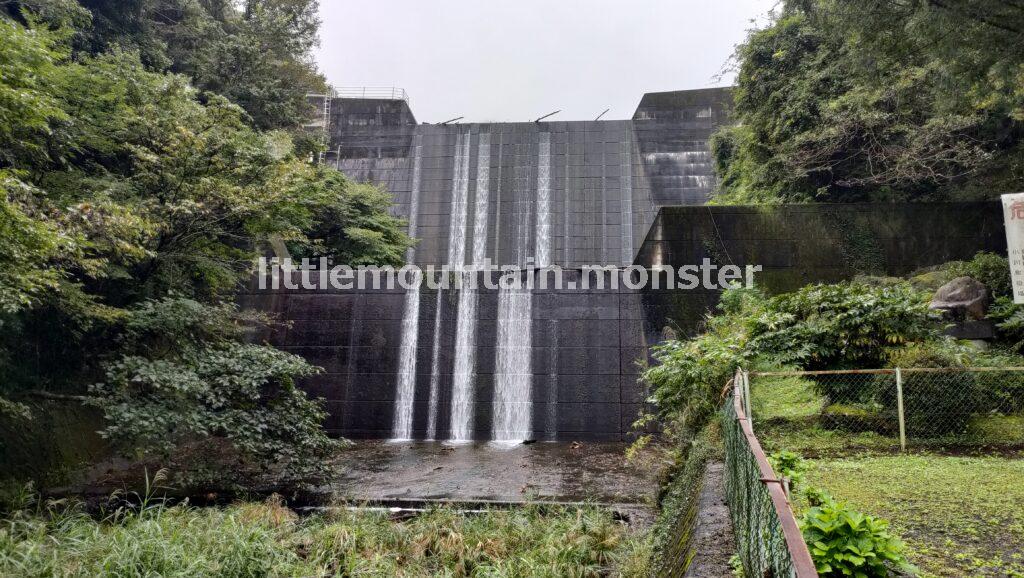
[{"x": 1013, "y": 218}]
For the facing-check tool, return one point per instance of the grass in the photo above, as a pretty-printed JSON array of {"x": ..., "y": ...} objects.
[
  {"x": 787, "y": 415},
  {"x": 959, "y": 507},
  {"x": 785, "y": 398},
  {"x": 960, "y": 516},
  {"x": 267, "y": 539}
]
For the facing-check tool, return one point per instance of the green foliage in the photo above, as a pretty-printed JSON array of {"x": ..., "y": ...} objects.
[
  {"x": 686, "y": 383},
  {"x": 955, "y": 500},
  {"x": 936, "y": 404},
  {"x": 789, "y": 465},
  {"x": 871, "y": 100},
  {"x": 133, "y": 202},
  {"x": 27, "y": 242},
  {"x": 844, "y": 542},
  {"x": 354, "y": 226},
  {"x": 257, "y": 53},
  {"x": 183, "y": 378},
  {"x": 28, "y": 58},
  {"x": 268, "y": 539},
  {"x": 989, "y": 268},
  {"x": 844, "y": 325}
]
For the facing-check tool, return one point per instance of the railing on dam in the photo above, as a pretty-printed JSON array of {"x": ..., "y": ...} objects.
[
  {"x": 767, "y": 535},
  {"x": 373, "y": 92}
]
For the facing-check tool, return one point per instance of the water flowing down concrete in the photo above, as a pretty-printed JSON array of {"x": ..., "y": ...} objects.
[
  {"x": 405, "y": 388},
  {"x": 435, "y": 370},
  {"x": 414, "y": 195},
  {"x": 459, "y": 202},
  {"x": 483, "y": 187},
  {"x": 544, "y": 200},
  {"x": 463, "y": 398},
  {"x": 513, "y": 374},
  {"x": 627, "y": 202},
  {"x": 405, "y": 392},
  {"x": 463, "y": 373}
]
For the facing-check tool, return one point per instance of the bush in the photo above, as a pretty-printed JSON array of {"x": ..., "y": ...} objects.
[
  {"x": 1009, "y": 319},
  {"x": 935, "y": 404},
  {"x": 844, "y": 542},
  {"x": 845, "y": 325},
  {"x": 183, "y": 379},
  {"x": 789, "y": 465},
  {"x": 687, "y": 382},
  {"x": 991, "y": 269}
]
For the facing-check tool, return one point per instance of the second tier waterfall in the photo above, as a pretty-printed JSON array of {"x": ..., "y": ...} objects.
[{"x": 513, "y": 372}]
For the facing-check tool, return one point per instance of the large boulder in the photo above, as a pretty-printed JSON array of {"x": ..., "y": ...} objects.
[
  {"x": 963, "y": 297},
  {"x": 965, "y": 300}
]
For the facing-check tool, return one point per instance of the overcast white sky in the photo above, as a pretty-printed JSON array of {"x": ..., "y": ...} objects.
[{"x": 516, "y": 60}]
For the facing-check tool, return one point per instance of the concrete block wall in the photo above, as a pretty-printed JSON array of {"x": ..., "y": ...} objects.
[
  {"x": 607, "y": 178},
  {"x": 586, "y": 346}
]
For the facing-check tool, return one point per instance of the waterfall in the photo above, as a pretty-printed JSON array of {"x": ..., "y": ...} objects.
[
  {"x": 513, "y": 372},
  {"x": 465, "y": 331},
  {"x": 462, "y": 374},
  {"x": 483, "y": 185},
  {"x": 513, "y": 366},
  {"x": 405, "y": 390},
  {"x": 456, "y": 259},
  {"x": 435, "y": 370},
  {"x": 460, "y": 189},
  {"x": 544, "y": 200}
]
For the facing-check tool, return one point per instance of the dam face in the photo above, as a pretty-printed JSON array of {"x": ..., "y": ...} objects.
[
  {"x": 463, "y": 364},
  {"x": 505, "y": 364}
]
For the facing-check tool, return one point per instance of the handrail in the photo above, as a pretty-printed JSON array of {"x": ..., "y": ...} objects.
[
  {"x": 803, "y": 564},
  {"x": 881, "y": 371},
  {"x": 373, "y": 92}
]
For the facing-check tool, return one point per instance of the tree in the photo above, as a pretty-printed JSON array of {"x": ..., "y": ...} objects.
[
  {"x": 258, "y": 55},
  {"x": 894, "y": 100},
  {"x": 133, "y": 206}
]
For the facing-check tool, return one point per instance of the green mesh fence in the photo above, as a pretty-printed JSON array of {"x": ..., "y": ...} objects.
[
  {"x": 756, "y": 523},
  {"x": 889, "y": 409}
]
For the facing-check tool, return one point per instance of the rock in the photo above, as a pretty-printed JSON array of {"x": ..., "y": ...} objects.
[{"x": 964, "y": 298}]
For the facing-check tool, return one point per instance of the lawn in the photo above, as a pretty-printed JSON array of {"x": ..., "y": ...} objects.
[
  {"x": 266, "y": 539},
  {"x": 958, "y": 503},
  {"x": 960, "y": 516}
]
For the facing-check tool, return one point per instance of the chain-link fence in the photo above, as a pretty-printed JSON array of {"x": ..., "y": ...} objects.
[
  {"x": 767, "y": 536},
  {"x": 891, "y": 408}
]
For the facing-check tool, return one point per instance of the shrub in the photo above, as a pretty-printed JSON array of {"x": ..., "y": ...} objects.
[
  {"x": 789, "y": 465},
  {"x": 183, "y": 379},
  {"x": 845, "y": 325},
  {"x": 991, "y": 269},
  {"x": 1000, "y": 391},
  {"x": 935, "y": 404},
  {"x": 1009, "y": 319},
  {"x": 686, "y": 384},
  {"x": 844, "y": 542}
]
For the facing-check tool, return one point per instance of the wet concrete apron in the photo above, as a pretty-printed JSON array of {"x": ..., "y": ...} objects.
[{"x": 418, "y": 472}]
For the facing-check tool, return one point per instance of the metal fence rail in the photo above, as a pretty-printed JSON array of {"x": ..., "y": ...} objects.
[
  {"x": 767, "y": 535},
  {"x": 373, "y": 92},
  {"x": 906, "y": 407}
]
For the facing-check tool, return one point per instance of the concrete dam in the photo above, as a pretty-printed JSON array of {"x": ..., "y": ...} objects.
[{"x": 557, "y": 363}]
